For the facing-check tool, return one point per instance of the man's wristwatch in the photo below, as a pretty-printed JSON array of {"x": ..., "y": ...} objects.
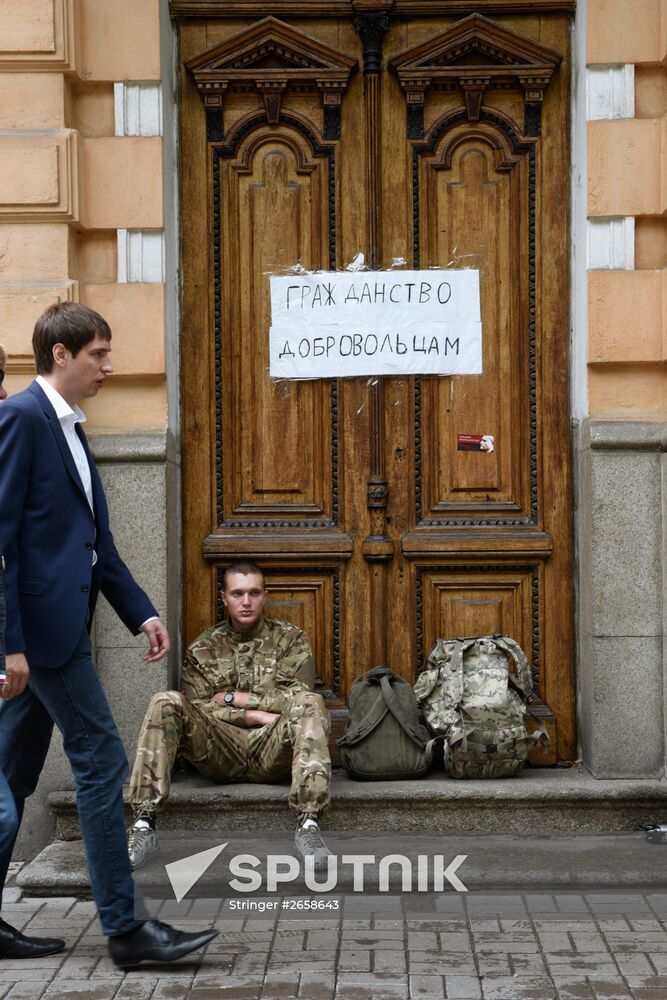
[{"x": 229, "y": 698}]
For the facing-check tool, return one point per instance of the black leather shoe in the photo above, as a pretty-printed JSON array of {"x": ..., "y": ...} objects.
[
  {"x": 154, "y": 941},
  {"x": 13, "y": 944}
]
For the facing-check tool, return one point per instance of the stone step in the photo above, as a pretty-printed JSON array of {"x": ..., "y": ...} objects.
[
  {"x": 538, "y": 800},
  {"x": 544, "y": 828},
  {"x": 501, "y": 862}
]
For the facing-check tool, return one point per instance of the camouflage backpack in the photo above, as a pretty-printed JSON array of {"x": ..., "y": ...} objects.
[
  {"x": 474, "y": 692},
  {"x": 385, "y": 739}
]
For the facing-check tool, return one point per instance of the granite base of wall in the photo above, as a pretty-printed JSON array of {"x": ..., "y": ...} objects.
[
  {"x": 137, "y": 477},
  {"x": 622, "y": 600}
]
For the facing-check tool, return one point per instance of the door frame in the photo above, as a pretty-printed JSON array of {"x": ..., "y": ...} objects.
[{"x": 198, "y": 307}]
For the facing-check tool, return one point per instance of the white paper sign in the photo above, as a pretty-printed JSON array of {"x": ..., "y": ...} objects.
[{"x": 333, "y": 324}]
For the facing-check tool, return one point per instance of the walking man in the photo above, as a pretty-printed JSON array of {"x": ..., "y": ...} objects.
[
  {"x": 60, "y": 554},
  {"x": 247, "y": 712},
  {"x": 13, "y": 944}
]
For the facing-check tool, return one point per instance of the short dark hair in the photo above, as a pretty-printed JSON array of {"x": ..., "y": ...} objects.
[
  {"x": 69, "y": 323},
  {"x": 245, "y": 566}
]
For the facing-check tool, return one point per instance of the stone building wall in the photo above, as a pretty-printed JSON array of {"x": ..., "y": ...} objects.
[{"x": 621, "y": 432}]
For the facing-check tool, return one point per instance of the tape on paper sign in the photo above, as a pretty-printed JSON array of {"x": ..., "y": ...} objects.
[
  {"x": 475, "y": 442},
  {"x": 336, "y": 324}
]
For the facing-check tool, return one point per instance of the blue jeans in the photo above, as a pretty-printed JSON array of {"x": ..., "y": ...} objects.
[
  {"x": 73, "y": 698},
  {"x": 9, "y": 817}
]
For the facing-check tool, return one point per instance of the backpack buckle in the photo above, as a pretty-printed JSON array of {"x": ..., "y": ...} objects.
[{"x": 492, "y": 748}]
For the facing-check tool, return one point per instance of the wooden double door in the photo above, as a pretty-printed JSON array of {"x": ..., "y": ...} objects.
[{"x": 434, "y": 134}]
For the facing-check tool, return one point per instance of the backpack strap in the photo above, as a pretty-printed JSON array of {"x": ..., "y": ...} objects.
[
  {"x": 523, "y": 680},
  {"x": 460, "y": 647},
  {"x": 417, "y": 734},
  {"x": 425, "y": 684},
  {"x": 456, "y": 665},
  {"x": 370, "y": 721},
  {"x": 540, "y": 735}
]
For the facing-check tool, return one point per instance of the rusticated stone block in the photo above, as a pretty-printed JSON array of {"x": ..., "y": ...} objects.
[
  {"x": 39, "y": 176},
  {"x": 20, "y": 305},
  {"x": 625, "y": 168},
  {"x": 626, "y": 316},
  {"x": 128, "y": 308},
  {"x": 122, "y": 183},
  {"x": 32, "y": 100},
  {"x": 40, "y": 34}
]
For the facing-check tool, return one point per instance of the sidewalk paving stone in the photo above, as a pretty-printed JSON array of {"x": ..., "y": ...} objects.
[
  {"x": 446, "y": 957},
  {"x": 511, "y": 988},
  {"x": 490, "y": 946},
  {"x": 647, "y": 982},
  {"x": 610, "y": 990},
  {"x": 25, "y": 990},
  {"x": 493, "y": 965},
  {"x": 455, "y": 941},
  {"x": 572, "y": 987},
  {"x": 168, "y": 988},
  {"x": 313, "y": 987},
  {"x": 463, "y": 987},
  {"x": 426, "y": 987},
  {"x": 594, "y": 967},
  {"x": 658, "y": 961},
  {"x": 633, "y": 965},
  {"x": 524, "y": 964},
  {"x": 238, "y": 990},
  {"x": 362, "y": 985},
  {"x": 354, "y": 961},
  {"x": 66, "y": 989},
  {"x": 500, "y": 946},
  {"x": 287, "y": 990},
  {"x": 133, "y": 989},
  {"x": 30, "y": 975}
]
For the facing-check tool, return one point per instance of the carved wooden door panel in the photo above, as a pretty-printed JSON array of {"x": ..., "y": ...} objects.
[{"x": 435, "y": 138}]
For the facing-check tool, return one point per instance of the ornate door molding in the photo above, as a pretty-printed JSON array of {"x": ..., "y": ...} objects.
[{"x": 429, "y": 131}]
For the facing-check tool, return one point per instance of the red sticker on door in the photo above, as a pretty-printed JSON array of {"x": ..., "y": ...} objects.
[{"x": 475, "y": 442}]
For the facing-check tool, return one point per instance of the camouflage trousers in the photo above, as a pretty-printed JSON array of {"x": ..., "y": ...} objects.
[{"x": 296, "y": 742}]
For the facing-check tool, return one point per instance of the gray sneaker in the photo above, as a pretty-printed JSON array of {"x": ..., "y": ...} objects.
[
  {"x": 309, "y": 842},
  {"x": 141, "y": 844}
]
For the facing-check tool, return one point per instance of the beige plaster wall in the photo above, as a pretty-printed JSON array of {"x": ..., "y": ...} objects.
[
  {"x": 68, "y": 183},
  {"x": 627, "y": 177}
]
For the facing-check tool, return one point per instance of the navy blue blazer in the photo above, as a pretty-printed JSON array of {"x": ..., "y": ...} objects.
[{"x": 48, "y": 533}]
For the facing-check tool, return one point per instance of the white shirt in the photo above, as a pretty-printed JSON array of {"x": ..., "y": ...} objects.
[{"x": 68, "y": 418}]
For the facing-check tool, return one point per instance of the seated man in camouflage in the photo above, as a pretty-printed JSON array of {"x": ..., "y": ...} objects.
[{"x": 246, "y": 713}]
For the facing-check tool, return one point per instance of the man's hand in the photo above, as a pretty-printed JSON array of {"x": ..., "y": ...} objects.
[
  {"x": 255, "y": 717},
  {"x": 158, "y": 640},
  {"x": 16, "y": 667},
  {"x": 252, "y": 716}
]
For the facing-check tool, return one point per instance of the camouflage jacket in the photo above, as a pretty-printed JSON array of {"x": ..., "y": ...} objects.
[{"x": 272, "y": 660}]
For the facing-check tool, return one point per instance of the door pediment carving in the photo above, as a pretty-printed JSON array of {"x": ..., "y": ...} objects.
[
  {"x": 474, "y": 55},
  {"x": 271, "y": 57}
]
